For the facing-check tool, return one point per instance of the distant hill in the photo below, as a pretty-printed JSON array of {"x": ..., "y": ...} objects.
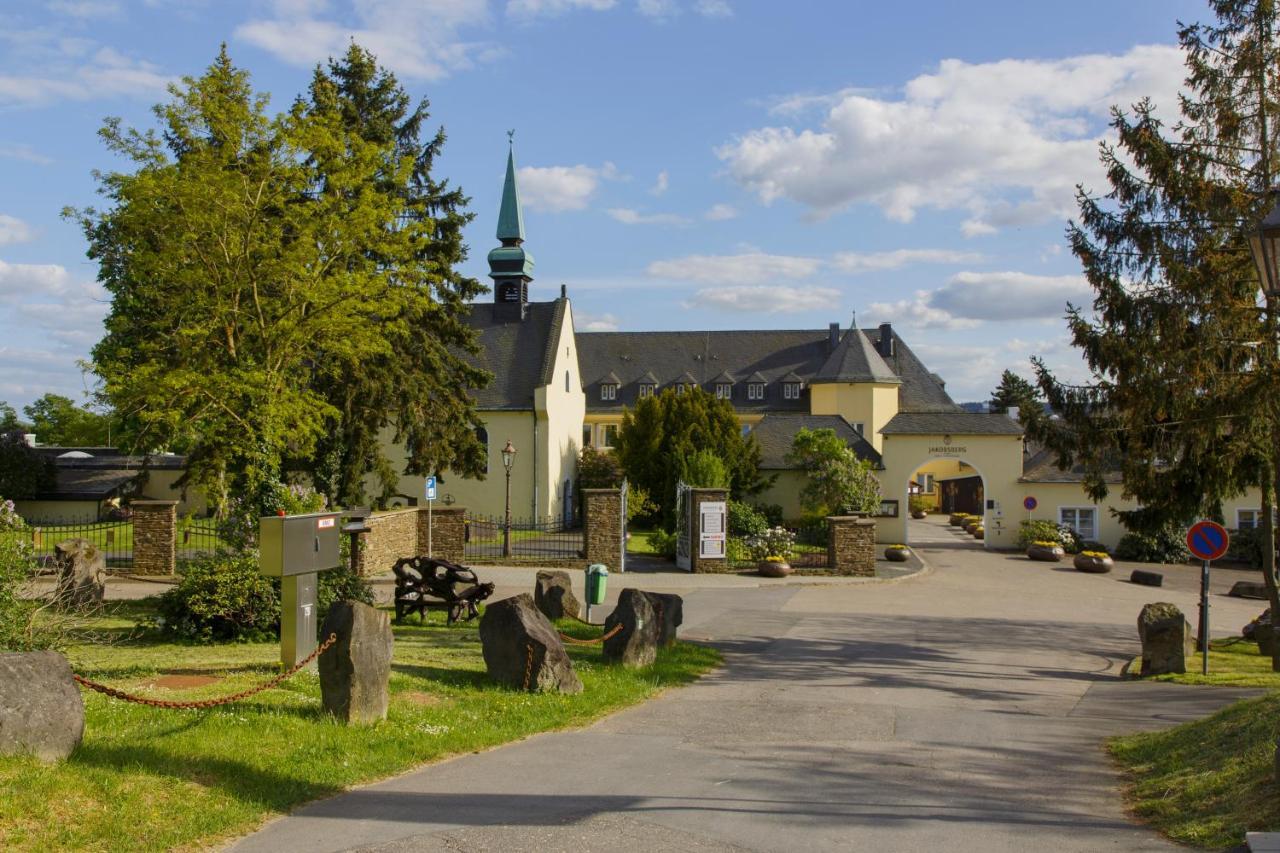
[{"x": 978, "y": 408}]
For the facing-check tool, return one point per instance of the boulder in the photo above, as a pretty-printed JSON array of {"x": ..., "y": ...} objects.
[
  {"x": 668, "y": 611},
  {"x": 355, "y": 670},
  {"x": 522, "y": 649},
  {"x": 1261, "y": 632},
  {"x": 637, "y": 643},
  {"x": 82, "y": 570},
  {"x": 41, "y": 712},
  {"x": 1249, "y": 589},
  {"x": 553, "y": 595},
  {"x": 1145, "y": 578},
  {"x": 1167, "y": 641}
]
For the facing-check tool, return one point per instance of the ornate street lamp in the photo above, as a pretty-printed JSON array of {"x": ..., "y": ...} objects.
[
  {"x": 508, "y": 458},
  {"x": 1264, "y": 242}
]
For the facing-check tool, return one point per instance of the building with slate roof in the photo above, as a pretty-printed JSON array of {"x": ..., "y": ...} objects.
[{"x": 556, "y": 390}]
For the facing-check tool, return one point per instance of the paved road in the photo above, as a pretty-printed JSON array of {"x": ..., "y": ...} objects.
[{"x": 962, "y": 711}]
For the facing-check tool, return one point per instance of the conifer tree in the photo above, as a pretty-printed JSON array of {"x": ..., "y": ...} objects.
[
  {"x": 1014, "y": 391},
  {"x": 1183, "y": 358}
]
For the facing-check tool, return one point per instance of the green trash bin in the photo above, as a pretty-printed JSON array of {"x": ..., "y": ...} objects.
[{"x": 597, "y": 579}]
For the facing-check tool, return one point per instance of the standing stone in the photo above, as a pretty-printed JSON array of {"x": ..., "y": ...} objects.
[
  {"x": 41, "y": 712},
  {"x": 82, "y": 571},
  {"x": 1167, "y": 642},
  {"x": 522, "y": 649},
  {"x": 356, "y": 670},
  {"x": 637, "y": 643},
  {"x": 553, "y": 595},
  {"x": 668, "y": 610}
]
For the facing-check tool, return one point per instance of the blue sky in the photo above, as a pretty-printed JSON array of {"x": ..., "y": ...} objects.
[{"x": 685, "y": 164}]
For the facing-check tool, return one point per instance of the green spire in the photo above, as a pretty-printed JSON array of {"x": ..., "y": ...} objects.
[{"x": 510, "y": 219}]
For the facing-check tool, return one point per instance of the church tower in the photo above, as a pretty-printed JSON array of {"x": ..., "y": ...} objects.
[{"x": 510, "y": 266}]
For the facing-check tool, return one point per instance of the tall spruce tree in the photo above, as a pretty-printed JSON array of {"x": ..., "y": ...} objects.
[
  {"x": 417, "y": 389},
  {"x": 1014, "y": 391},
  {"x": 1183, "y": 358}
]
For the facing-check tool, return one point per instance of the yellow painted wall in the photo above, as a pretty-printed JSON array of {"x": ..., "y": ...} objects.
[
  {"x": 785, "y": 492},
  {"x": 58, "y": 512},
  {"x": 561, "y": 409},
  {"x": 941, "y": 469},
  {"x": 997, "y": 458},
  {"x": 159, "y": 486},
  {"x": 872, "y": 405}
]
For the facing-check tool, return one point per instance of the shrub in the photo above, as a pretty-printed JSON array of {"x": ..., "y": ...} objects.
[
  {"x": 221, "y": 597},
  {"x": 745, "y": 520},
  {"x": 771, "y": 512},
  {"x": 736, "y": 551},
  {"x": 663, "y": 543},
  {"x": 17, "y": 568},
  {"x": 1246, "y": 546},
  {"x": 341, "y": 584},
  {"x": 919, "y": 504},
  {"x": 1166, "y": 546},
  {"x": 1039, "y": 530},
  {"x": 774, "y": 542}
]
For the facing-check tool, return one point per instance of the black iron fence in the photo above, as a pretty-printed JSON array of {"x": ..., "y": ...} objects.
[
  {"x": 198, "y": 538},
  {"x": 530, "y": 539},
  {"x": 113, "y": 538}
]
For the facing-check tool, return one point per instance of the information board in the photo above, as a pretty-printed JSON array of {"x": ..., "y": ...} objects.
[{"x": 712, "y": 530}]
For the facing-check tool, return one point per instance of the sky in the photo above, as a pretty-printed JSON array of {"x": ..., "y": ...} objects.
[{"x": 684, "y": 164}]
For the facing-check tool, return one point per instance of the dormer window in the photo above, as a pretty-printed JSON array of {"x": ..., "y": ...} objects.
[
  {"x": 791, "y": 390},
  {"x": 724, "y": 391},
  {"x": 680, "y": 388},
  {"x": 647, "y": 389},
  {"x": 608, "y": 392},
  {"x": 755, "y": 391}
]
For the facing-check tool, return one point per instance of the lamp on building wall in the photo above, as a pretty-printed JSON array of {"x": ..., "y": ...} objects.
[
  {"x": 1264, "y": 243},
  {"x": 508, "y": 459}
]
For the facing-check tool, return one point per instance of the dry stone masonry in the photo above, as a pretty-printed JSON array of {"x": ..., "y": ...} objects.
[
  {"x": 637, "y": 643},
  {"x": 602, "y": 531},
  {"x": 41, "y": 712},
  {"x": 391, "y": 535},
  {"x": 448, "y": 532},
  {"x": 155, "y": 537},
  {"x": 522, "y": 649},
  {"x": 851, "y": 545},
  {"x": 356, "y": 670}
]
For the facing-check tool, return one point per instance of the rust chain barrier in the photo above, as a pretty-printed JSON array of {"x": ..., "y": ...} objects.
[
  {"x": 575, "y": 641},
  {"x": 208, "y": 703},
  {"x": 528, "y": 664}
]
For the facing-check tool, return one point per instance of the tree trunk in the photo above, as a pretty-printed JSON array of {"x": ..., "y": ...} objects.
[{"x": 1269, "y": 487}]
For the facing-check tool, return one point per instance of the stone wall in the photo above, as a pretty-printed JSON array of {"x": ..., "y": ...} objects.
[
  {"x": 602, "y": 526},
  {"x": 448, "y": 532},
  {"x": 391, "y": 535},
  {"x": 155, "y": 537},
  {"x": 698, "y": 497},
  {"x": 851, "y": 545}
]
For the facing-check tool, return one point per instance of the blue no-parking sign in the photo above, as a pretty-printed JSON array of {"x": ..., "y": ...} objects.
[
  {"x": 1208, "y": 540},
  {"x": 1029, "y": 503},
  {"x": 431, "y": 488}
]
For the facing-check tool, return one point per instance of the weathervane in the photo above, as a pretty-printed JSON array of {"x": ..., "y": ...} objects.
[{"x": 511, "y": 136}]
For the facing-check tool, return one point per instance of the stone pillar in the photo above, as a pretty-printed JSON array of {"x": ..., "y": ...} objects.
[
  {"x": 155, "y": 537},
  {"x": 448, "y": 532},
  {"x": 851, "y": 545},
  {"x": 602, "y": 526},
  {"x": 698, "y": 497}
]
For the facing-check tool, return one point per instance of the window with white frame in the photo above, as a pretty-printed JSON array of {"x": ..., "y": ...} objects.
[
  {"x": 791, "y": 391},
  {"x": 755, "y": 391},
  {"x": 608, "y": 391},
  {"x": 1082, "y": 519},
  {"x": 608, "y": 435},
  {"x": 859, "y": 427},
  {"x": 724, "y": 391},
  {"x": 586, "y": 435},
  {"x": 1247, "y": 519},
  {"x": 926, "y": 484},
  {"x": 647, "y": 389}
]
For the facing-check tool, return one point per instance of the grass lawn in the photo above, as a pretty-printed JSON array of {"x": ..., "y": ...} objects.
[
  {"x": 639, "y": 542},
  {"x": 1233, "y": 661},
  {"x": 1207, "y": 782},
  {"x": 154, "y": 779}
]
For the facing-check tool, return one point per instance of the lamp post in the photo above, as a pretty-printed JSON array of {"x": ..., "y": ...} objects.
[{"x": 508, "y": 457}]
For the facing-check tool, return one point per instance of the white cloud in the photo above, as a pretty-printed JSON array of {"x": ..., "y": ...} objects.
[
  {"x": 749, "y": 268},
  {"x": 557, "y": 188},
  {"x": 418, "y": 39},
  {"x": 713, "y": 8},
  {"x": 658, "y": 9},
  {"x": 661, "y": 184},
  {"x": 24, "y": 153},
  {"x": 71, "y": 76},
  {"x": 549, "y": 8},
  {"x": 27, "y": 280},
  {"x": 84, "y": 9},
  {"x": 627, "y": 216},
  {"x": 14, "y": 230},
  {"x": 720, "y": 212},
  {"x": 596, "y": 323},
  {"x": 1005, "y": 141},
  {"x": 765, "y": 299},
  {"x": 859, "y": 262},
  {"x": 972, "y": 298}
]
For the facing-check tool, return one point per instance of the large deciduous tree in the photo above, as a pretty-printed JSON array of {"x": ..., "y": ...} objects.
[
  {"x": 1183, "y": 357},
  {"x": 255, "y": 265},
  {"x": 57, "y": 420},
  {"x": 837, "y": 481}
]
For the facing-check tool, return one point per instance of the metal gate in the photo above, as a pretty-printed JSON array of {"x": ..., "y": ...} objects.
[
  {"x": 622, "y": 522},
  {"x": 682, "y": 528}
]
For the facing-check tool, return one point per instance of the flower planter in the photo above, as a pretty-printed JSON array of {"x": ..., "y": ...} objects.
[
  {"x": 979, "y": 532},
  {"x": 957, "y": 519},
  {"x": 1093, "y": 565},
  {"x": 897, "y": 555},
  {"x": 770, "y": 569},
  {"x": 1046, "y": 553},
  {"x": 972, "y": 526},
  {"x": 919, "y": 514}
]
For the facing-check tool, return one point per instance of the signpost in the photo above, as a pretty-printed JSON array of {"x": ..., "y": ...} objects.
[
  {"x": 1208, "y": 540},
  {"x": 1029, "y": 503},
  {"x": 430, "y": 490}
]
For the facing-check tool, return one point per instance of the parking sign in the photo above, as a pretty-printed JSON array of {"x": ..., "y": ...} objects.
[{"x": 431, "y": 488}]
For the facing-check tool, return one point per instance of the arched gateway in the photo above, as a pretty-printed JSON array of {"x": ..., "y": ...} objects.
[{"x": 989, "y": 444}]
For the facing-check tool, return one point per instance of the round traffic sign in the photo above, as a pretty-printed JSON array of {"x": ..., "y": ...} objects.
[
  {"x": 1029, "y": 503},
  {"x": 1208, "y": 540}
]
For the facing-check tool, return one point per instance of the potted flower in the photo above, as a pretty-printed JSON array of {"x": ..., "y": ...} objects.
[
  {"x": 1094, "y": 562},
  {"x": 979, "y": 532},
  {"x": 919, "y": 507},
  {"x": 972, "y": 524},
  {"x": 897, "y": 553},
  {"x": 771, "y": 550},
  {"x": 1045, "y": 551},
  {"x": 957, "y": 519},
  {"x": 773, "y": 567}
]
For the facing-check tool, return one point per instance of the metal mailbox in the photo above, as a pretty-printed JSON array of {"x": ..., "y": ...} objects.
[{"x": 299, "y": 544}]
